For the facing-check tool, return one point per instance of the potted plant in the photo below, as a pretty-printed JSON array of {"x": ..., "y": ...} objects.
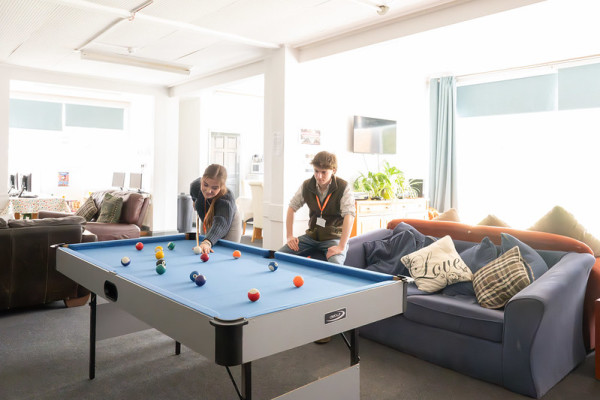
[{"x": 388, "y": 184}]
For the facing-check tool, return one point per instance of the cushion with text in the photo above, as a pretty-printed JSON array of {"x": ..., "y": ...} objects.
[{"x": 436, "y": 266}]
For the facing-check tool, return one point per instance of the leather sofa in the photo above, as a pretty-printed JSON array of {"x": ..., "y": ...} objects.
[
  {"x": 133, "y": 214},
  {"x": 28, "y": 275},
  {"x": 527, "y": 346}
]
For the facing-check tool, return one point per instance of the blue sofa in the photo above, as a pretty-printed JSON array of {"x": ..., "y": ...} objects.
[{"x": 527, "y": 346}]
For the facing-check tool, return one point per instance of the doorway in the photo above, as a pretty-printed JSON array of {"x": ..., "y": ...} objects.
[{"x": 225, "y": 151}]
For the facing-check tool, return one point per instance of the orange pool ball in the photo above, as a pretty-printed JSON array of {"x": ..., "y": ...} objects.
[
  {"x": 298, "y": 281},
  {"x": 160, "y": 254},
  {"x": 237, "y": 254}
]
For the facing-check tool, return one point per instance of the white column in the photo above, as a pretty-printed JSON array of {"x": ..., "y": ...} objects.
[{"x": 281, "y": 134}]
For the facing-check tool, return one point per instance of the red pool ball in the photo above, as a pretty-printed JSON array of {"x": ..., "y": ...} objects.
[
  {"x": 204, "y": 257},
  {"x": 253, "y": 295},
  {"x": 298, "y": 281},
  {"x": 139, "y": 245}
]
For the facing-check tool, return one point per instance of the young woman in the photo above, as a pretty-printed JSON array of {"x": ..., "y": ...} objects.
[{"x": 216, "y": 208}]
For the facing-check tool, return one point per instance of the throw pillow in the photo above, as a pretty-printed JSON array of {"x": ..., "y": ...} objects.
[
  {"x": 3, "y": 223},
  {"x": 436, "y": 266},
  {"x": 420, "y": 239},
  {"x": 87, "y": 210},
  {"x": 448, "y": 215},
  {"x": 533, "y": 258},
  {"x": 475, "y": 258},
  {"x": 561, "y": 222},
  {"x": 23, "y": 223},
  {"x": 492, "y": 220},
  {"x": 385, "y": 255},
  {"x": 110, "y": 211},
  {"x": 497, "y": 282}
]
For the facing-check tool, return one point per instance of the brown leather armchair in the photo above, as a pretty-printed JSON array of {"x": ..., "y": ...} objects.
[{"x": 28, "y": 275}]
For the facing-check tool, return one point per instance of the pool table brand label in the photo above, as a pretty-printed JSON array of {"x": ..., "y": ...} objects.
[{"x": 334, "y": 316}]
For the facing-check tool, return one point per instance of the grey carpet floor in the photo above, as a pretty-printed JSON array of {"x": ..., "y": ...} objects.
[{"x": 44, "y": 355}]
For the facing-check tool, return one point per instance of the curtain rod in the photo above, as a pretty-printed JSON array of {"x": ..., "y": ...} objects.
[{"x": 531, "y": 66}]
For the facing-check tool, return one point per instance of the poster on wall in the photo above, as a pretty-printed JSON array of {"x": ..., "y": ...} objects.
[
  {"x": 310, "y": 136},
  {"x": 63, "y": 179}
]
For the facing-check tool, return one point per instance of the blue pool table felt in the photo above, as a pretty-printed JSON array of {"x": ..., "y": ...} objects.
[{"x": 228, "y": 280}]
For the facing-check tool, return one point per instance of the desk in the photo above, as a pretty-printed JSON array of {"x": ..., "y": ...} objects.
[
  {"x": 217, "y": 320},
  {"x": 18, "y": 206}
]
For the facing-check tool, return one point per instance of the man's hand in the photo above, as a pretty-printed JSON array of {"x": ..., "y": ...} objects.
[
  {"x": 333, "y": 250},
  {"x": 292, "y": 243}
]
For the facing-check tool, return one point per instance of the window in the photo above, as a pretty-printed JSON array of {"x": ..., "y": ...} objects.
[{"x": 518, "y": 162}]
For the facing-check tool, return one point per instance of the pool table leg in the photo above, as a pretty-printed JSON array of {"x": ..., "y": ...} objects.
[
  {"x": 354, "y": 358},
  {"x": 92, "y": 371},
  {"x": 177, "y": 348},
  {"x": 247, "y": 381}
]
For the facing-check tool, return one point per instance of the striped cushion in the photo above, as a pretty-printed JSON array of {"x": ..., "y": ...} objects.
[
  {"x": 87, "y": 210},
  {"x": 110, "y": 211},
  {"x": 497, "y": 282}
]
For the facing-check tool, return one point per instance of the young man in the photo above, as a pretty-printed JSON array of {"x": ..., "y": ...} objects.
[{"x": 331, "y": 210}]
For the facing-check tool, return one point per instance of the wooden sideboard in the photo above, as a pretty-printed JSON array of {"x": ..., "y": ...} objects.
[{"x": 375, "y": 214}]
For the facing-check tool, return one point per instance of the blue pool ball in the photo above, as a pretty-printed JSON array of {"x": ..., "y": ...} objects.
[
  {"x": 200, "y": 280},
  {"x": 125, "y": 261},
  {"x": 273, "y": 266},
  {"x": 171, "y": 245},
  {"x": 193, "y": 275}
]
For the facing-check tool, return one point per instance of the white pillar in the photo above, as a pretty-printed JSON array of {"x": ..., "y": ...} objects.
[
  {"x": 281, "y": 134},
  {"x": 4, "y": 117}
]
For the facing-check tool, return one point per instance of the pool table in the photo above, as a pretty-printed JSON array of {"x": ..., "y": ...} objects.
[{"x": 217, "y": 319}]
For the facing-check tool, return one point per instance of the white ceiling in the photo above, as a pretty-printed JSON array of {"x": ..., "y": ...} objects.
[{"x": 205, "y": 36}]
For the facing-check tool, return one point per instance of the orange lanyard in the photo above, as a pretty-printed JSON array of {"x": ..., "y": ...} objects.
[{"x": 324, "y": 204}]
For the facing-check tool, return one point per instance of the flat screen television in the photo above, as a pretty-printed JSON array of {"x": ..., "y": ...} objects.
[
  {"x": 374, "y": 135},
  {"x": 26, "y": 182}
]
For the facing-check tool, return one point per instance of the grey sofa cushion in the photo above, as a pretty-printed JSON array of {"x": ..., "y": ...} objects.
[
  {"x": 475, "y": 257},
  {"x": 460, "y": 314},
  {"x": 70, "y": 220},
  {"x": 3, "y": 223},
  {"x": 384, "y": 255},
  {"x": 533, "y": 258}
]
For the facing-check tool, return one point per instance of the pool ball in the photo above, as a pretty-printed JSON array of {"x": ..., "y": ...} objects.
[
  {"x": 193, "y": 275},
  {"x": 197, "y": 250},
  {"x": 204, "y": 257},
  {"x": 161, "y": 269},
  {"x": 253, "y": 295},
  {"x": 161, "y": 261},
  {"x": 200, "y": 280},
  {"x": 125, "y": 261},
  {"x": 159, "y": 254},
  {"x": 139, "y": 245},
  {"x": 237, "y": 254},
  {"x": 273, "y": 266},
  {"x": 298, "y": 281},
  {"x": 171, "y": 245},
  {"x": 158, "y": 248}
]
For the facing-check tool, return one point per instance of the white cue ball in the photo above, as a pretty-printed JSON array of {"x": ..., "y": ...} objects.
[{"x": 197, "y": 249}]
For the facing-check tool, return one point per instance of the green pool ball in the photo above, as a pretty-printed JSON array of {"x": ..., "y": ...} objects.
[
  {"x": 161, "y": 269},
  {"x": 171, "y": 245}
]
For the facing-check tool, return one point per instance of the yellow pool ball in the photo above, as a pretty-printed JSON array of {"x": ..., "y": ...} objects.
[{"x": 159, "y": 254}]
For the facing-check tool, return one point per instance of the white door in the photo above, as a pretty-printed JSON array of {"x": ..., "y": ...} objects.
[{"x": 225, "y": 151}]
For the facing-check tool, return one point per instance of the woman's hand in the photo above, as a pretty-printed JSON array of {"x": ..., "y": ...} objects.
[{"x": 206, "y": 247}]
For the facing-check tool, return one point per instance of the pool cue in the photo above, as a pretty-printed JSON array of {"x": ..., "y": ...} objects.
[{"x": 197, "y": 229}]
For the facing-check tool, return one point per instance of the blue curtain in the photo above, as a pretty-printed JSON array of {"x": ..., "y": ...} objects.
[{"x": 442, "y": 161}]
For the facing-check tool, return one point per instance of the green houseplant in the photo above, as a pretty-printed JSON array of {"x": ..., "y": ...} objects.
[{"x": 388, "y": 184}]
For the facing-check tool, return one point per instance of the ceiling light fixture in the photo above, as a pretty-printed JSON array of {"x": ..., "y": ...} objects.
[
  {"x": 381, "y": 9},
  {"x": 135, "y": 61}
]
